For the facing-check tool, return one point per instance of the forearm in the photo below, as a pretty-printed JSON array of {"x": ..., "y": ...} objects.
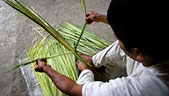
[
  {"x": 103, "y": 18},
  {"x": 63, "y": 83},
  {"x": 109, "y": 55}
]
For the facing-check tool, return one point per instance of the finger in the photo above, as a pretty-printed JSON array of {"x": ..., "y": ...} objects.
[
  {"x": 81, "y": 53},
  {"x": 84, "y": 56},
  {"x": 90, "y": 13},
  {"x": 87, "y": 18},
  {"x": 87, "y": 15},
  {"x": 80, "y": 63},
  {"x": 44, "y": 60},
  {"x": 38, "y": 59},
  {"x": 89, "y": 22},
  {"x": 77, "y": 62},
  {"x": 36, "y": 62},
  {"x": 36, "y": 67}
]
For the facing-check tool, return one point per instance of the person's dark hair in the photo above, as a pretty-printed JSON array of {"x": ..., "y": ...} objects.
[{"x": 141, "y": 24}]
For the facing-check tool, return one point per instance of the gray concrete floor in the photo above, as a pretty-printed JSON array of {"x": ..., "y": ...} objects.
[{"x": 16, "y": 35}]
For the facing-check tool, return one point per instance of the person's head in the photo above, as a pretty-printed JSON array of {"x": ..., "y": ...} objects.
[{"x": 142, "y": 29}]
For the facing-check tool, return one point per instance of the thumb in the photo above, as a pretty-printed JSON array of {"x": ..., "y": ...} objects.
[{"x": 36, "y": 67}]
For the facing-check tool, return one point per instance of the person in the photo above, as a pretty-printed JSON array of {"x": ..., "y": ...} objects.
[{"x": 141, "y": 30}]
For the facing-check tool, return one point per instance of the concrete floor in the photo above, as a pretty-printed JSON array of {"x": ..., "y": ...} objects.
[{"x": 16, "y": 35}]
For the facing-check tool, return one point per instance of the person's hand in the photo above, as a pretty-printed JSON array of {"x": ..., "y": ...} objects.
[
  {"x": 40, "y": 64},
  {"x": 87, "y": 58},
  {"x": 81, "y": 66},
  {"x": 95, "y": 17},
  {"x": 92, "y": 17}
]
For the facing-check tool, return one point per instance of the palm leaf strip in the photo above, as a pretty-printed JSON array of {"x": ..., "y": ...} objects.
[{"x": 84, "y": 26}]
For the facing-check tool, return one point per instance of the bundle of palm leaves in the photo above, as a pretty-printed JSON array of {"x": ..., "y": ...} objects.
[
  {"x": 61, "y": 59},
  {"x": 89, "y": 43}
]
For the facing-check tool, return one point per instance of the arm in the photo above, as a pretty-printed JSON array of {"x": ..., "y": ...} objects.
[
  {"x": 95, "y": 17},
  {"x": 111, "y": 54},
  {"x": 62, "y": 82}
]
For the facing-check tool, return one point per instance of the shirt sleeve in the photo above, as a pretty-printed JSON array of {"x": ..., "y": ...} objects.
[
  {"x": 115, "y": 87},
  {"x": 127, "y": 86},
  {"x": 85, "y": 76},
  {"x": 111, "y": 54}
]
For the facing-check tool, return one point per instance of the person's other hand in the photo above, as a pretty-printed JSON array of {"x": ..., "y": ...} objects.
[
  {"x": 40, "y": 64},
  {"x": 87, "y": 58},
  {"x": 81, "y": 66},
  {"x": 92, "y": 17}
]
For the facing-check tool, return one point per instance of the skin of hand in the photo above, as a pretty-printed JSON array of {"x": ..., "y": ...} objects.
[
  {"x": 95, "y": 17},
  {"x": 40, "y": 64},
  {"x": 81, "y": 66},
  {"x": 92, "y": 17}
]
